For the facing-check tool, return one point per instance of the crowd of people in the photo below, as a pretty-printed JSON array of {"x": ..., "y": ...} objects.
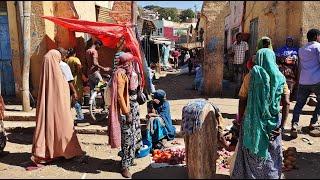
[
  {"x": 61, "y": 87},
  {"x": 268, "y": 84}
]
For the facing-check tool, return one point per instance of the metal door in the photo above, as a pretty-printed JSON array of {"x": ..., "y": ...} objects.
[{"x": 6, "y": 72}]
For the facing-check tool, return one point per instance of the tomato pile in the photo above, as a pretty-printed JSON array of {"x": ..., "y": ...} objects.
[{"x": 170, "y": 156}]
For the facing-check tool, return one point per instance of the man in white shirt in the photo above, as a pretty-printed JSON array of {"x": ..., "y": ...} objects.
[{"x": 66, "y": 71}]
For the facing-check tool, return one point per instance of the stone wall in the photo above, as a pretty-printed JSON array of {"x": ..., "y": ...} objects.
[
  {"x": 276, "y": 19},
  {"x": 121, "y": 11},
  {"x": 310, "y": 18},
  {"x": 38, "y": 44},
  {"x": 215, "y": 13}
]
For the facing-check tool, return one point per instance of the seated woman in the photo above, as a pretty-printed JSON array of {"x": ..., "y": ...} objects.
[{"x": 159, "y": 125}]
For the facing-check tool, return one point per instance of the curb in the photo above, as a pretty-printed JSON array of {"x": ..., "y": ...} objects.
[
  {"x": 30, "y": 130},
  {"x": 33, "y": 118},
  {"x": 19, "y": 118}
]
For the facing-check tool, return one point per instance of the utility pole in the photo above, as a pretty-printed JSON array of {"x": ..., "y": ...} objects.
[
  {"x": 26, "y": 56},
  {"x": 195, "y": 11}
]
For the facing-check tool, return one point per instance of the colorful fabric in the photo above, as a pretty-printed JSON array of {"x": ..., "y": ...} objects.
[
  {"x": 163, "y": 110},
  {"x": 193, "y": 115},
  {"x": 248, "y": 166},
  {"x": 265, "y": 87},
  {"x": 244, "y": 90},
  {"x": 116, "y": 60},
  {"x": 156, "y": 130},
  {"x": 110, "y": 34},
  {"x": 239, "y": 52},
  {"x": 127, "y": 147},
  {"x": 136, "y": 128},
  {"x": 119, "y": 98},
  {"x": 165, "y": 55},
  {"x": 287, "y": 51}
]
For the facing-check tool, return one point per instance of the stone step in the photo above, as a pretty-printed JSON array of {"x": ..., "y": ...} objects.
[{"x": 29, "y": 126}]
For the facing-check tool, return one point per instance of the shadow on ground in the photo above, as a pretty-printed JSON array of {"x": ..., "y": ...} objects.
[
  {"x": 20, "y": 138},
  {"x": 162, "y": 173},
  {"x": 93, "y": 165},
  {"x": 167, "y": 173},
  {"x": 181, "y": 87},
  {"x": 309, "y": 164}
]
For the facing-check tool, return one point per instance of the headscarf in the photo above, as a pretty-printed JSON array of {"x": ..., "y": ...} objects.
[
  {"x": 160, "y": 95},
  {"x": 114, "y": 124},
  {"x": 260, "y": 43},
  {"x": 163, "y": 109},
  {"x": 54, "y": 134},
  {"x": 263, "y": 104},
  {"x": 286, "y": 50}
]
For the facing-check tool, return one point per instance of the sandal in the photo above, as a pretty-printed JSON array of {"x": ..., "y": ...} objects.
[
  {"x": 34, "y": 166},
  {"x": 304, "y": 139}
]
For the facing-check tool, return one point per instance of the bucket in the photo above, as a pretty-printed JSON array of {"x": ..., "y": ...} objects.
[{"x": 144, "y": 151}]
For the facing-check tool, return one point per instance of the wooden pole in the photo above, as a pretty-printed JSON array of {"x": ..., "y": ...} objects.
[
  {"x": 20, "y": 8},
  {"x": 26, "y": 56},
  {"x": 158, "y": 69}
]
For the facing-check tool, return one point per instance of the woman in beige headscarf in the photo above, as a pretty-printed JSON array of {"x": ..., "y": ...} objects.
[{"x": 54, "y": 134}]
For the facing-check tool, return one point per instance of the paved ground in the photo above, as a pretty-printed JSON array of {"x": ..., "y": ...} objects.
[{"x": 102, "y": 162}]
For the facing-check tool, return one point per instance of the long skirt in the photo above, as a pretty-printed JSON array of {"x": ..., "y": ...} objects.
[
  {"x": 249, "y": 166},
  {"x": 136, "y": 128},
  {"x": 131, "y": 138}
]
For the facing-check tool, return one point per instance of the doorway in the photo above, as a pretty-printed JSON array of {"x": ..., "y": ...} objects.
[{"x": 6, "y": 71}]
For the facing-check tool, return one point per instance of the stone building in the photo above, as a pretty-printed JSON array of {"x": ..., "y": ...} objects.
[
  {"x": 45, "y": 35},
  {"x": 279, "y": 19}
]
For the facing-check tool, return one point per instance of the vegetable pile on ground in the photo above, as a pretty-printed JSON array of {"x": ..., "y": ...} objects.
[
  {"x": 223, "y": 158},
  {"x": 170, "y": 156},
  {"x": 290, "y": 157}
]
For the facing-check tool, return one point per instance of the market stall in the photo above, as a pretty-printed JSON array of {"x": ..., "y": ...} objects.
[{"x": 109, "y": 34}]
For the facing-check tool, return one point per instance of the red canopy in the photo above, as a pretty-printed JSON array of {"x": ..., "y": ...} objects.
[{"x": 108, "y": 33}]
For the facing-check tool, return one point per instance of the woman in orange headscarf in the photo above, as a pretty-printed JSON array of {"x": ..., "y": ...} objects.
[{"x": 54, "y": 134}]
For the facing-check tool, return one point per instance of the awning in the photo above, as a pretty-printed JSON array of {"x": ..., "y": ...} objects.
[
  {"x": 190, "y": 45},
  {"x": 108, "y": 33},
  {"x": 160, "y": 40}
]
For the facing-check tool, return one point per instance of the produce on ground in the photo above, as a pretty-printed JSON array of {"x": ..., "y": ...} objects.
[
  {"x": 223, "y": 159},
  {"x": 170, "y": 156}
]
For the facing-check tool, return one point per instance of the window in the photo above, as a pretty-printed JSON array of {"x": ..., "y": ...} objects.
[
  {"x": 234, "y": 32},
  {"x": 253, "y": 36},
  {"x": 160, "y": 30}
]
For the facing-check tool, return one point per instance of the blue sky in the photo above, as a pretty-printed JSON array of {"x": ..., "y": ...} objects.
[{"x": 176, "y": 4}]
